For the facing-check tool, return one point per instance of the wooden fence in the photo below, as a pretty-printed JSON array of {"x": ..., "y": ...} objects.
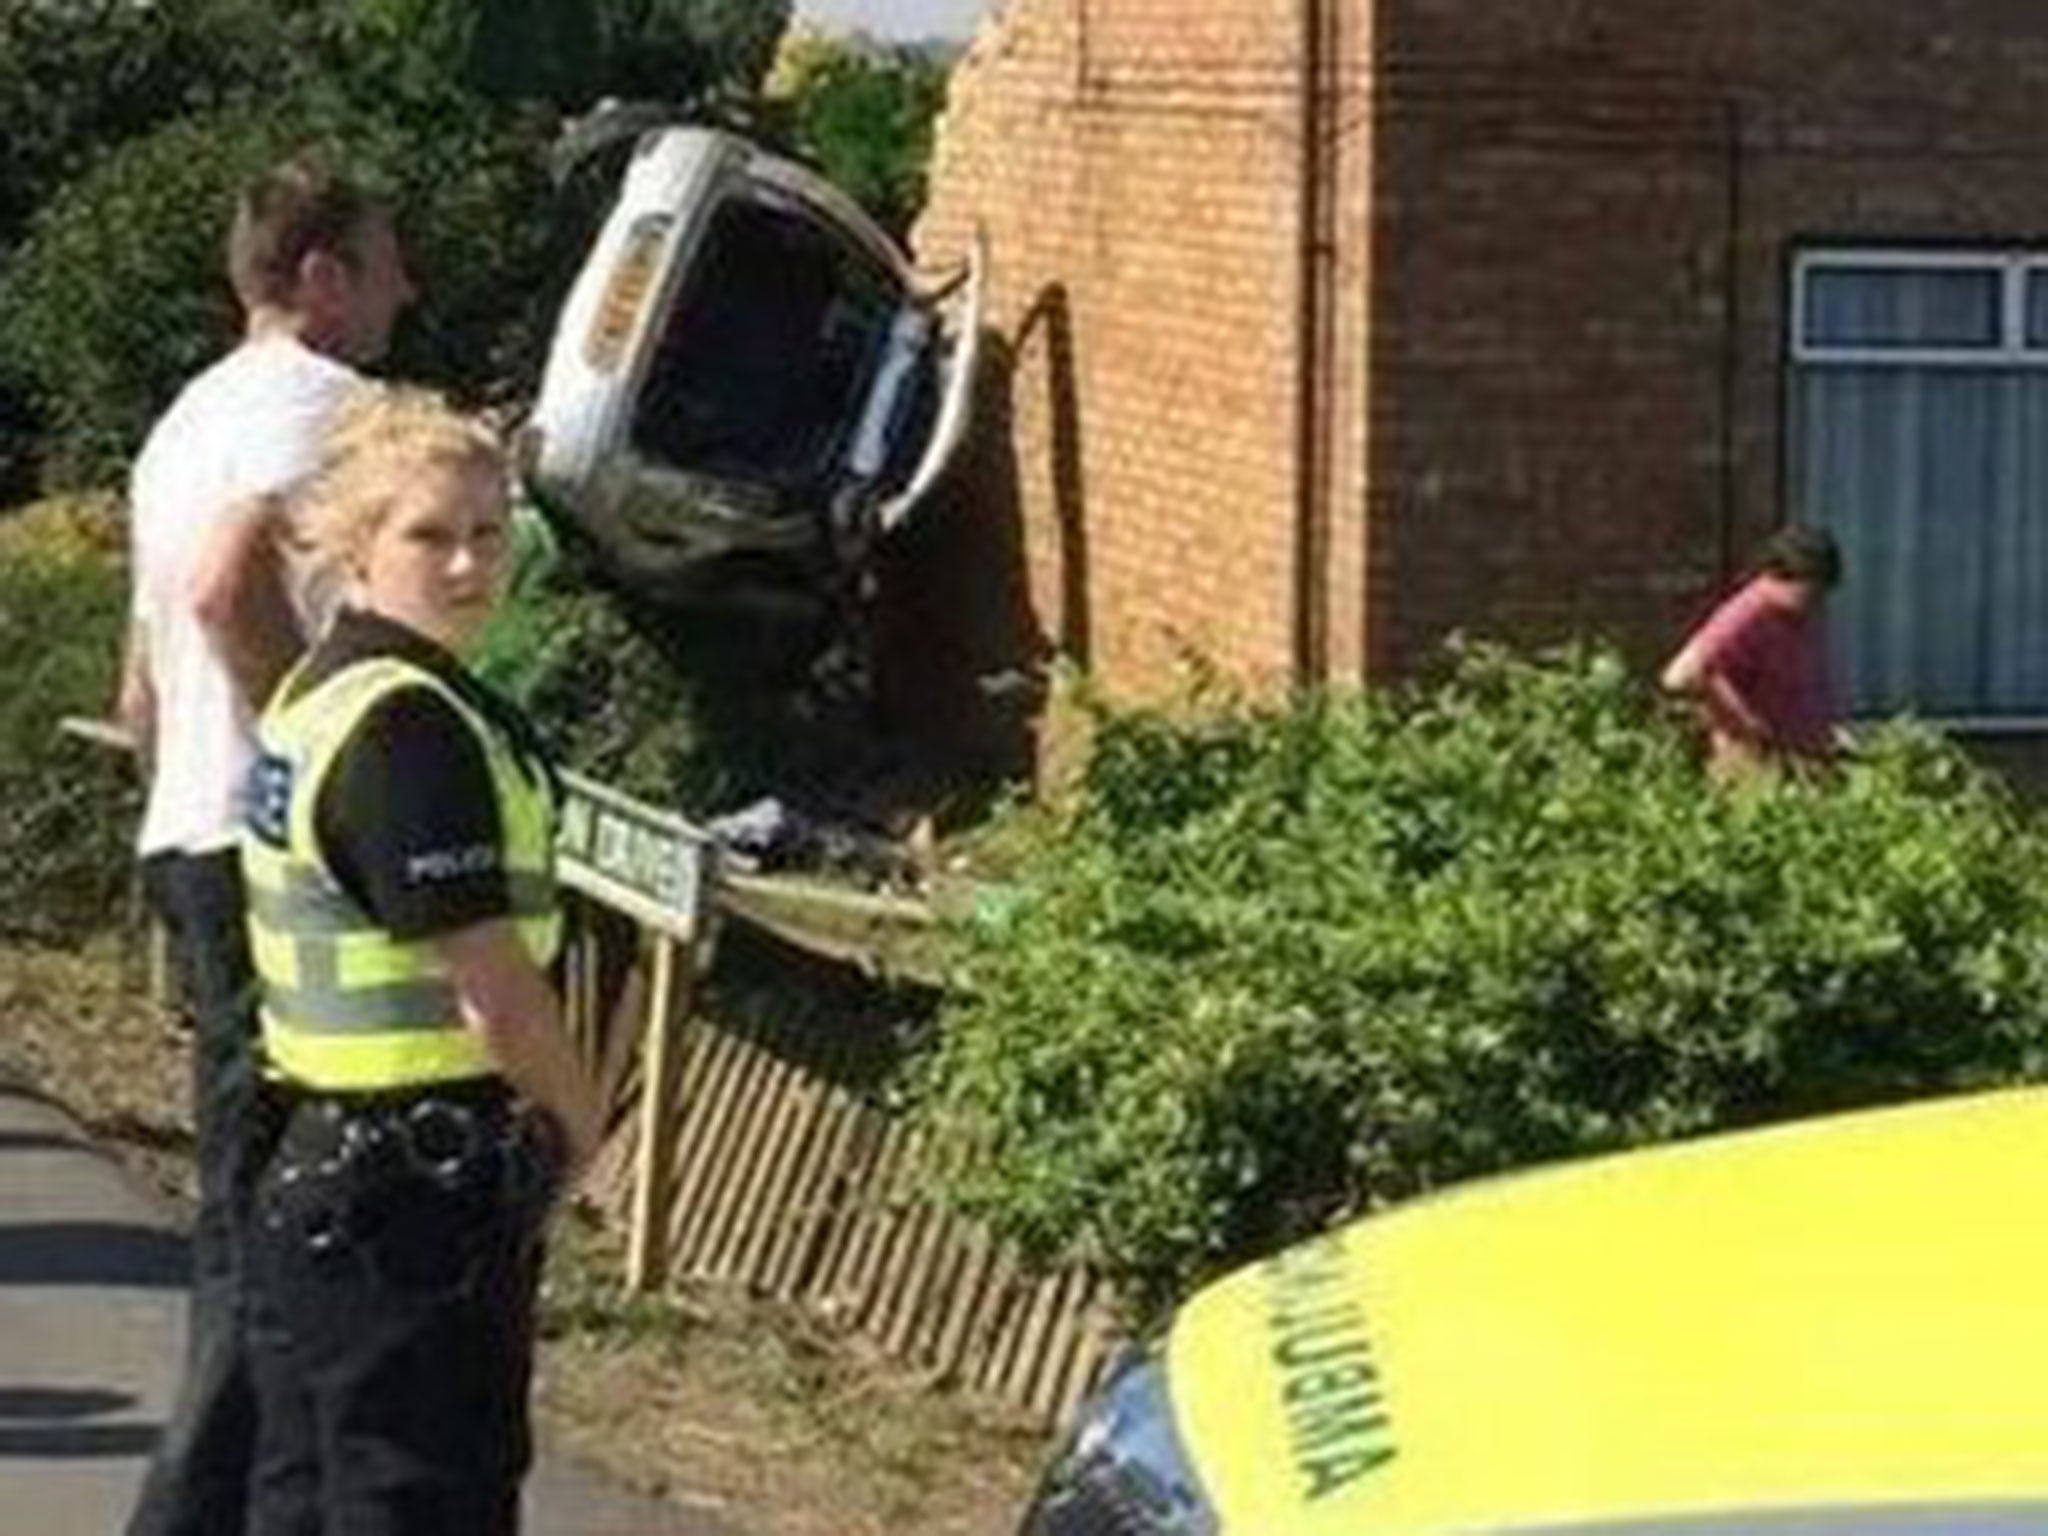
[{"x": 753, "y": 1153}]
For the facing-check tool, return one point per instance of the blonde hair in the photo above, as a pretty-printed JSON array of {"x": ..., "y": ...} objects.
[{"x": 384, "y": 436}]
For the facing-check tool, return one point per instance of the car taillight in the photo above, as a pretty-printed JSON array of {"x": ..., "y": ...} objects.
[{"x": 625, "y": 292}]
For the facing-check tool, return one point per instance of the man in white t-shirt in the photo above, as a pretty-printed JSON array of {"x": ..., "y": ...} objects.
[{"x": 216, "y": 619}]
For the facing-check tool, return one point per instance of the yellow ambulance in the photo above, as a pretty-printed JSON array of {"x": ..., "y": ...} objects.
[{"x": 1839, "y": 1326}]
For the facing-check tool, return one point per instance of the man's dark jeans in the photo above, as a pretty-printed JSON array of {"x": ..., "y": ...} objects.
[{"x": 198, "y": 1480}]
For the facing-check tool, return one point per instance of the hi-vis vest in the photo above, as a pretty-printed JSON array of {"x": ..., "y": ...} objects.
[{"x": 345, "y": 1005}]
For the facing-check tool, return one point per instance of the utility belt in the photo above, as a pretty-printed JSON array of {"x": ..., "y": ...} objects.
[{"x": 414, "y": 1178}]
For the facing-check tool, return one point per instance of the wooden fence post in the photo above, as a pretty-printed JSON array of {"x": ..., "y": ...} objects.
[{"x": 654, "y": 1172}]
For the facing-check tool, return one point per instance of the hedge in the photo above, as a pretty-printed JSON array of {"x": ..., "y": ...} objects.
[
  {"x": 700, "y": 710},
  {"x": 67, "y": 809},
  {"x": 1279, "y": 965},
  {"x": 118, "y": 296}
]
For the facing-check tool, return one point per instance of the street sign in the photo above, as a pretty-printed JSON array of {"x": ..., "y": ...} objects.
[{"x": 648, "y": 863}]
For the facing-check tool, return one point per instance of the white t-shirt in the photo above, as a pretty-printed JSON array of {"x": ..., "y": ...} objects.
[{"x": 251, "y": 425}]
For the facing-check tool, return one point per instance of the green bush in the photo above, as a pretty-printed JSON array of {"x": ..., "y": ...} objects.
[
  {"x": 77, "y": 79},
  {"x": 130, "y": 127},
  {"x": 119, "y": 295},
  {"x": 864, "y": 116},
  {"x": 699, "y": 711},
  {"x": 66, "y": 808},
  {"x": 1276, "y": 966}
]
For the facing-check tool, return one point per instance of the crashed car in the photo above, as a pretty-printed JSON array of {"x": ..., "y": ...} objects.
[
  {"x": 1833, "y": 1327},
  {"x": 748, "y": 375}
]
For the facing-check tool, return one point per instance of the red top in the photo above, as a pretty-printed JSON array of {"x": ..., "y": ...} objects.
[{"x": 1775, "y": 656}]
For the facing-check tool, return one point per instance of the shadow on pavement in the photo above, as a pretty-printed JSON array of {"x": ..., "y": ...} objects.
[
  {"x": 38, "y": 1141},
  {"x": 60, "y": 1441},
  {"x": 60, "y": 1402},
  {"x": 76, "y": 1442},
  {"x": 92, "y": 1253}
]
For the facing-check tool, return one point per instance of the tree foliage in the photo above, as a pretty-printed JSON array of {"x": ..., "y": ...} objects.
[
  {"x": 691, "y": 52},
  {"x": 78, "y": 78},
  {"x": 130, "y": 127},
  {"x": 118, "y": 295},
  {"x": 63, "y": 605},
  {"x": 1279, "y": 965},
  {"x": 698, "y": 711},
  {"x": 864, "y": 115}
]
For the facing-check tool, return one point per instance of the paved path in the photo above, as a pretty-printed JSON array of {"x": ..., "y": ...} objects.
[{"x": 92, "y": 1303}]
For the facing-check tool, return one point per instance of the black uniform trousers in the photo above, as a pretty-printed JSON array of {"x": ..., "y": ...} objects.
[{"x": 394, "y": 1264}]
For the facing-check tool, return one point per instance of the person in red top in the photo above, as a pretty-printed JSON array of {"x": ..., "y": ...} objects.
[{"x": 1758, "y": 666}]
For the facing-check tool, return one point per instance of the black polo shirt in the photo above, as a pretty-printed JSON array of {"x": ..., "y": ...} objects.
[{"x": 407, "y": 817}]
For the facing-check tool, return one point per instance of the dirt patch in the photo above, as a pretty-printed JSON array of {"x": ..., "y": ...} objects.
[
  {"x": 73, "y": 1026},
  {"x": 709, "y": 1399},
  {"x": 755, "y": 1411}
]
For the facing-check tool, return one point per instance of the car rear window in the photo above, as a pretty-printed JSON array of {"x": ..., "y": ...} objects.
[{"x": 767, "y": 354}]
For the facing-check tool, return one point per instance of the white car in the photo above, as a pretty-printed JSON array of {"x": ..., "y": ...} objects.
[{"x": 749, "y": 382}]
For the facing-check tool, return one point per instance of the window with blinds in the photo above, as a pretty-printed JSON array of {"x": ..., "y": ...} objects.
[{"x": 1919, "y": 437}]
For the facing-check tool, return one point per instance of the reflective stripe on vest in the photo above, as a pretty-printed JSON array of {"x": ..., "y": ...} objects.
[{"x": 345, "y": 1005}]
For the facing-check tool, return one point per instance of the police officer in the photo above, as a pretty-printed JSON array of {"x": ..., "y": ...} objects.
[{"x": 428, "y": 1102}]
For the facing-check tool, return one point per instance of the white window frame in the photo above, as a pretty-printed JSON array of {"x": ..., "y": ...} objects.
[{"x": 2013, "y": 268}]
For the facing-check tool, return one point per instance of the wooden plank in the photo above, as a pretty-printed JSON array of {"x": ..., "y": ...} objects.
[
  {"x": 623, "y": 1034},
  {"x": 819, "y": 1182},
  {"x": 793, "y": 1139},
  {"x": 1056, "y": 1352},
  {"x": 698, "y": 1079},
  {"x": 110, "y": 734},
  {"x": 891, "y": 934},
  {"x": 926, "y": 1289},
  {"x": 899, "y": 1291},
  {"x": 157, "y": 964},
  {"x": 860, "y": 1213},
  {"x": 800, "y": 1250},
  {"x": 726, "y": 1195},
  {"x": 654, "y": 1176},
  {"x": 752, "y": 1064},
  {"x": 1100, "y": 1335},
  {"x": 573, "y": 1017},
  {"x": 941, "y": 1264},
  {"x": 700, "y": 1156},
  {"x": 754, "y": 1148},
  {"x": 850, "y": 1212},
  {"x": 942, "y": 1270},
  {"x": 875, "y": 1222},
  {"x": 996, "y": 1323},
  {"x": 949, "y": 1352},
  {"x": 931, "y": 1226},
  {"x": 1028, "y": 1353},
  {"x": 888, "y": 1296}
]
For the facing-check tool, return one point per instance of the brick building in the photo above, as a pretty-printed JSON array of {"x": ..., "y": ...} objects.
[{"x": 1328, "y": 326}]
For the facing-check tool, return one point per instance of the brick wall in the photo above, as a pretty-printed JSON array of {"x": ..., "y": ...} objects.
[
  {"x": 1559, "y": 257},
  {"x": 1585, "y": 215},
  {"x": 1135, "y": 165}
]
